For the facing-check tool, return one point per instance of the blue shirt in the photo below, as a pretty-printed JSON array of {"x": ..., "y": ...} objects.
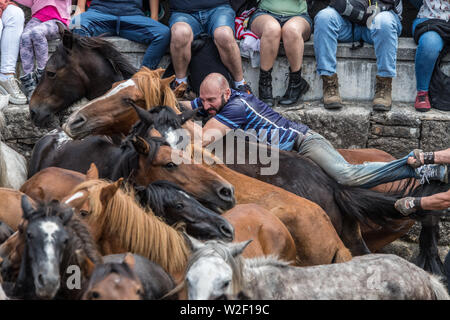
[
  {"x": 244, "y": 111},
  {"x": 118, "y": 7}
]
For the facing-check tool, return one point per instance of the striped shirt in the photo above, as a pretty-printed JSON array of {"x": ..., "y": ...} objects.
[{"x": 244, "y": 111}]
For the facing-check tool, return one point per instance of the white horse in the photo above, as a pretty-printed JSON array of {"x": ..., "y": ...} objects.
[
  {"x": 217, "y": 271},
  {"x": 13, "y": 167}
]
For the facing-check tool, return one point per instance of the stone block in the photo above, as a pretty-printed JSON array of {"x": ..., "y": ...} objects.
[
  {"x": 435, "y": 135},
  {"x": 398, "y": 147},
  {"x": 394, "y": 131}
]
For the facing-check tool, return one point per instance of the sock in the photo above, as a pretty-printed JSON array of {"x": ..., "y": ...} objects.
[
  {"x": 5, "y": 76},
  {"x": 239, "y": 83},
  {"x": 182, "y": 80}
]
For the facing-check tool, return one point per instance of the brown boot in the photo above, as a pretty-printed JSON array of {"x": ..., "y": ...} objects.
[
  {"x": 331, "y": 97},
  {"x": 382, "y": 100}
]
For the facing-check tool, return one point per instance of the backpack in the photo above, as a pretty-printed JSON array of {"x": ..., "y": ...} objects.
[
  {"x": 356, "y": 10},
  {"x": 240, "y": 6},
  {"x": 439, "y": 90}
]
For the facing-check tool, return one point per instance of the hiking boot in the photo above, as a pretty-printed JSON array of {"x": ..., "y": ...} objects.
[
  {"x": 244, "y": 88},
  {"x": 38, "y": 75},
  {"x": 382, "y": 100},
  {"x": 29, "y": 84},
  {"x": 11, "y": 86},
  {"x": 408, "y": 205},
  {"x": 422, "y": 103},
  {"x": 432, "y": 172},
  {"x": 331, "y": 97},
  {"x": 296, "y": 88},
  {"x": 265, "y": 87}
]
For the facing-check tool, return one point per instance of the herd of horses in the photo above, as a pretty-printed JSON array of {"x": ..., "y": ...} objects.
[{"x": 104, "y": 195}]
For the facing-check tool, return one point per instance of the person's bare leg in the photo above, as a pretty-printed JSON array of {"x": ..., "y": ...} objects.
[
  {"x": 294, "y": 33},
  {"x": 229, "y": 51},
  {"x": 269, "y": 31},
  {"x": 180, "y": 48}
]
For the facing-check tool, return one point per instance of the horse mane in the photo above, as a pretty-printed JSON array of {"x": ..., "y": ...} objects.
[
  {"x": 108, "y": 51},
  {"x": 265, "y": 261},
  {"x": 154, "y": 91},
  {"x": 137, "y": 230},
  {"x": 158, "y": 194}
]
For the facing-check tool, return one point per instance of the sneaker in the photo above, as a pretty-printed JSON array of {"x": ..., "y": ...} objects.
[
  {"x": 29, "y": 84},
  {"x": 422, "y": 103},
  {"x": 11, "y": 86},
  {"x": 432, "y": 172},
  {"x": 244, "y": 88}
]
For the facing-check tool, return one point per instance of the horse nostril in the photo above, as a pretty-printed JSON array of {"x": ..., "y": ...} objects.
[
  {"x": 40, "y": 280},
  {"x": 78, "y": 122},
  {"x": 226, "y": 192},
  {"x": 227, "y": 231}
]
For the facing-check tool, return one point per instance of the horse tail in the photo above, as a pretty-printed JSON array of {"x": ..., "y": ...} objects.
[
  {"x": 367, "y": 205},
  {"x": 439, "y": 290},
  {"x": 447, "y": 269}
]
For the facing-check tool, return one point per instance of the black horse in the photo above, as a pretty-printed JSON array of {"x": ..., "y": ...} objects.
[
  {"x": 52, "y": 239},
  {"x": 175, "y": 205},
  {"x": 81, "y": 67}
]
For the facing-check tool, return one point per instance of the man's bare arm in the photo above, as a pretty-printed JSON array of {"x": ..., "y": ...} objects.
[
  {"x": 212, "y": 131},
  {"x": 154, "y": 9},
  {"x": 442, "y": 157},
  {"x": 438, "y": 201}
]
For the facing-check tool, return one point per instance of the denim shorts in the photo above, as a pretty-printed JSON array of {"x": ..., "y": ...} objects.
[
  {"x": 280, "y": 18},
  {"x": 206, "y": 21}
]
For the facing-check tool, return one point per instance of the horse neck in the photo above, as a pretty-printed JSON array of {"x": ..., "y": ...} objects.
[{"x": 140, "y": 232}]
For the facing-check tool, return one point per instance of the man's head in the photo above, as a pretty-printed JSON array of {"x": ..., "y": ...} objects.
[{"x": 214, "y": 93}]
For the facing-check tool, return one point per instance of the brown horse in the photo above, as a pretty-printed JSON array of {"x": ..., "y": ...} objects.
[
  {"x": 81, "y": 67},
  {"x": 119, "y": 224},
  {"x": 11, "y": 211},
  {"x": 145, "y": 89}
]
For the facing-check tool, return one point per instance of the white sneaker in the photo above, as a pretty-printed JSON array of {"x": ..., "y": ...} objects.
[{"x": 11, "y": 86}]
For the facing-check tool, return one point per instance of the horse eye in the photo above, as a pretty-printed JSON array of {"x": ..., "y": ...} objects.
[
  {"x": 139, "y": 292},
  {"x": 29, "y": 235},
  {"x": 226, "y": 284},
  {"x": 179, "y": 206},
  {"x": 94, "y": 295},
  {"x": 51, "y": 75},
  {"x": 170, "y": 165},
  {"x": 84, "y": 213},
  {"x": 66, "y": 241}
]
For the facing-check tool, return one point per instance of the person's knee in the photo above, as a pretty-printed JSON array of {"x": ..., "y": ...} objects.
[
  {"x": 17, "y": 17},
  {"x": 25, "y": 37},
  {"x": 223, "y": 36},
  {"x": 385, "y": 22},
  {"x": 432, "y": 44},
  {"x": 292, "y": 31},
  {"x": 325, "y": 18},
  {"x": 272, "y": 30},
  {"x": 181, "y": 34}
]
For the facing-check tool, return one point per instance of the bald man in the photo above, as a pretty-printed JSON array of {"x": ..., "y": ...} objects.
[{"x": 232, "y": 110}]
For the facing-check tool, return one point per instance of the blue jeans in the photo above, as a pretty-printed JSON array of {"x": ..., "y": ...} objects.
[
  {"x": 141, "y": 29},
  {"x": 330, "y": 27},
  {"x": 367, "y": 175},
  {"x": 206, "y": 21},
  {"x": 427, "y": 52}
]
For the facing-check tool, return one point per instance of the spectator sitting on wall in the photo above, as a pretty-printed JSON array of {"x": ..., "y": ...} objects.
[
  {"x": 428, "y": 49},
  {"x": 189, "y": 19},
  {"x": 289, "y": 21},
  {"x": 126, "y": 19},
  {"x": 11, "y": 27},
  {"x": 43, "y": 26}
]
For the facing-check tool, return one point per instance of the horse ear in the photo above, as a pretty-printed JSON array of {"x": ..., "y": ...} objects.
[
  {"x": 129, "y": 260},
  {"x": 66, "y": 36},
  {"x": 26, "y": 207},
  {"x": 85, "y": 263},
  {"x": 159, "y": 72},
  {"x": 140, "y": 145},
  {"x": 119, "y": 183},
  {"x": 108, "y": 192},
  {"x": 167, "y": 81},
  {"x": 238, "y": 248},
  {"x": 187, "y": 115},
  {"x": 143, "y": 115},
  {"x": 41, "y": 193},
  {"x": 92, "y": 173},
  {"x": 194, "y": 243}
]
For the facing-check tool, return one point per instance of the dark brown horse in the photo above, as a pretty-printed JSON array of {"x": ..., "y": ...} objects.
[{"x": 80, "y": 67}]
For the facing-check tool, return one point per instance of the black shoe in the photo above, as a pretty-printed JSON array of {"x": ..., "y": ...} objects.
[
  {"x": 244, "y": 88},
  {"x": 265, "y": 87},
  {"x": 296, "y": 88}
]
